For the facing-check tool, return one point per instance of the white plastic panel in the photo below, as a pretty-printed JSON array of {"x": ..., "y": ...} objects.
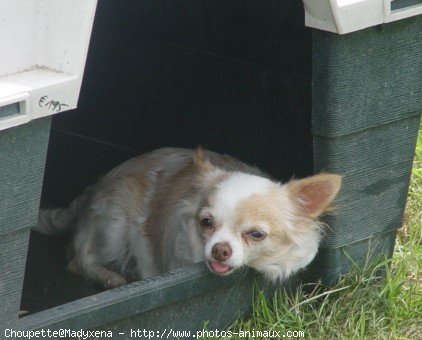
[
  {"x": 344, "y": 16},
  {"x": 44, "y": 44}
]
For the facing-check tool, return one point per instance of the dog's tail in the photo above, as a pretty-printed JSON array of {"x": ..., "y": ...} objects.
[{"x": 59, "y": 221}]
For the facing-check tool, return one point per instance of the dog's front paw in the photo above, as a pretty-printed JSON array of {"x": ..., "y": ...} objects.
[{"x": 114, "y": 281}]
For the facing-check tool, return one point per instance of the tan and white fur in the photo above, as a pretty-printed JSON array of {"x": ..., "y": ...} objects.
[{"x": 174, "y": 207}]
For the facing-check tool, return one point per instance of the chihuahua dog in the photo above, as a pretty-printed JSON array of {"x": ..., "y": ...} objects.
[{"x": 174, "y": 207}]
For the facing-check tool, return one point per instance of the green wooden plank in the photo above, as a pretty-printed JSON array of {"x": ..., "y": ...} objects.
[
  {"x": 331, "y": 263},
  {"x": 376, "y": 165},
  {"x": 367, "y": 101},
  {"x": 13, "y": 249},
  {"x": 133, "y": 299},
  {"x": 366, "y": 78},
  {"x": 218, "y": 309},
  {"x": 22, "y": 158}
]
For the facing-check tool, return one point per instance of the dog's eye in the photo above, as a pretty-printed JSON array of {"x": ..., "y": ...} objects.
[
  {"x": 206, "y": 222},
  {"x": 256, "y": 234}
]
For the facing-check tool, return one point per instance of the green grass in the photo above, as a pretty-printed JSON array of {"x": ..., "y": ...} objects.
[{"x": 361, "y": 305}]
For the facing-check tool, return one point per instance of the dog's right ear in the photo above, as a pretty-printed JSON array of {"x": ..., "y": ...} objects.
[{"x": 200, "y": 161}]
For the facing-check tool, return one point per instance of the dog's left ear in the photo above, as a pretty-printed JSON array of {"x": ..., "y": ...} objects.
[
  {"x": 200, "y": 161},
  {"x": 314, "y": 195}
]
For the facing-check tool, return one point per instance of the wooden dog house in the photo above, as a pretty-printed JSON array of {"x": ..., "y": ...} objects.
[{"x": 243, "y": 78}]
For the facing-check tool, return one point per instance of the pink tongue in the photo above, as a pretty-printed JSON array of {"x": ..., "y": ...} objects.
[{"x": 219, "y": 267}]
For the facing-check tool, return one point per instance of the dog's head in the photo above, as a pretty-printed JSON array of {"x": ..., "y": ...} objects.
[{"x": 272, "y": 227}]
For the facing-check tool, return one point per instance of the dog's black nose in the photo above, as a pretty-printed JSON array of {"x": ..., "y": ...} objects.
[{"x": 221, "y": 251}]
